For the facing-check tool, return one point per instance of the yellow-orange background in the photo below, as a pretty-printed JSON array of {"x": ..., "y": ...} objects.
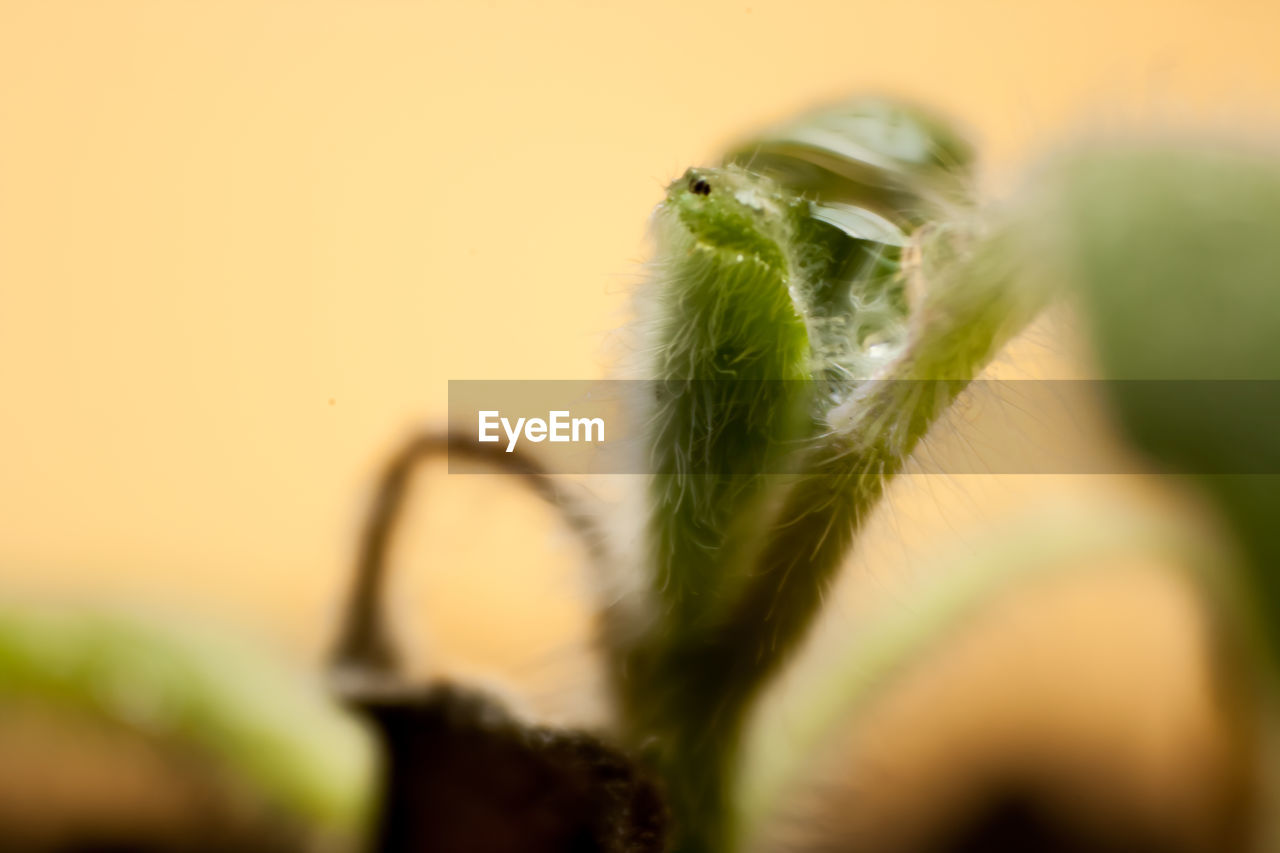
[{"x": 244, "y": 245}]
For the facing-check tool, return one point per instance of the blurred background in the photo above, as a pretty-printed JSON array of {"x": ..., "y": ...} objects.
[{"x": 245, "y": 245}]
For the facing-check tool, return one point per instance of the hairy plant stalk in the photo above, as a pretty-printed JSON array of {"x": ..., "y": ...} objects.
[
  {"x": 711, "y": 672},
  {"x": 799, "y": 362}
]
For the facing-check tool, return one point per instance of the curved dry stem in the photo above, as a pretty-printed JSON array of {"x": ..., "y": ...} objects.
[{"x": 365, "y": 649}]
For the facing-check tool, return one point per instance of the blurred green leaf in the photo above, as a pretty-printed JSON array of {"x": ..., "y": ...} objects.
[{"x": 267, "y": 725}]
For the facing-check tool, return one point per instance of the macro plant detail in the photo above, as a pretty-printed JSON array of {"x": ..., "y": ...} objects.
[
  {"x": 815, "y": 303},
  {"x": 781, "y": 323}
]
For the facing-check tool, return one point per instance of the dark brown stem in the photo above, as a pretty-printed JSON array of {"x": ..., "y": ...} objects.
[{"x": 365, "y": 648}]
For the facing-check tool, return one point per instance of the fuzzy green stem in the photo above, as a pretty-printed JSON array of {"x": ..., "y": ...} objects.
[{"x": 783, "y": 743}]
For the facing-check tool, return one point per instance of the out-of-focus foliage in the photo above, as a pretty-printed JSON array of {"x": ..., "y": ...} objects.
[
  {"x": 260, "y": 722},
  {"x": 1174, "y": 251}
]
